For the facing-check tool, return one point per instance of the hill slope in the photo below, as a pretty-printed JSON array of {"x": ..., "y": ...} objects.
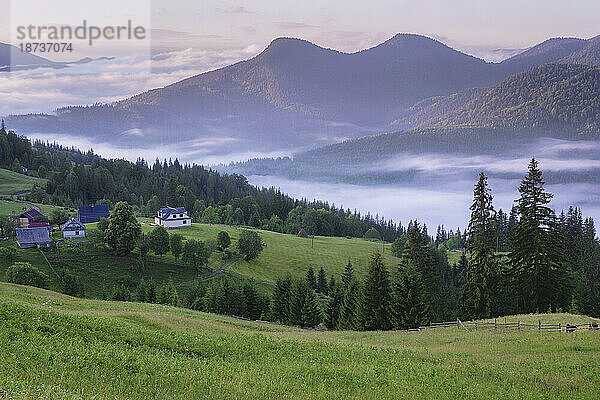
[
  {"x": 55, "y": 345},
  {"x": 12, "y": 182},
  {"x": 292, "y": 94},
  {"x": 553, "y": 96},
  {"x": 588, "y": 55}
]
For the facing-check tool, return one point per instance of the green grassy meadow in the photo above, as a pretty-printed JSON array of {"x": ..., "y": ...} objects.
[
  {"x": 283, "y": 255},
  {"x": 55, "y": 346},
  {"x": 291, "y": 255},
  {"x": 12, "y": 182}
]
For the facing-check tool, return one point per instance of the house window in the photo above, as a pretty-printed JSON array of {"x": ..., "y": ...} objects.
[
  {"x": 184, "y": 221},
  {"x": 76, "y": 232},
  {"x": 180, "y": 215}
]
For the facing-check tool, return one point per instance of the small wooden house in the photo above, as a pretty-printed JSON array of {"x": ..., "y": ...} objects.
[
  {"x": 172, "y": 218},
  {"x": 33, "y": 237},
  {"x": 73, "y": 229},
  {"x": 29, "y": 217},
  {"x": 302, "y": 233}
]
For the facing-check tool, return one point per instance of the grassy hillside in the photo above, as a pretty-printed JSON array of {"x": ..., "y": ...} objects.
[
  {"x": 11, "y": 182},
  {"x": 55, "y": 346},
  {"x": 9, "y": 207},
  {"x": 283, "y": 255},
  {"x": 291, "y": 255}
]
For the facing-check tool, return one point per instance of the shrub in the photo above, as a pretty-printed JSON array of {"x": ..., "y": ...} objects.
[
  {"x": 249, "y": 245},
  {"x": 23, "y": 273},
  {"x": 120, "y": 293},
  {"x": 71, "y": 285},
  {"x": 8, "y": 253}
]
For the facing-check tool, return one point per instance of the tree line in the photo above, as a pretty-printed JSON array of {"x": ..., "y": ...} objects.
[{"x": 79, "y": 178}]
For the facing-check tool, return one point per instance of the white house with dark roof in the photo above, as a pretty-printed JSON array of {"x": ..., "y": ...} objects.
[
  {"x": 73, "y": 229},
  {"x": 172, "y": 218}
]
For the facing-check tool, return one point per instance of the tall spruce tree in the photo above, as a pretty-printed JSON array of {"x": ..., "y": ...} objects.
[
  {"x": 538, "y": 268},
  {"x": 417, "y": 251},
  {"x": 375, "y": 296},
  {"x": 478, "y": 294},
  {"x": 349, "y": 318},
  {"x": 280, "y": 306},
  {"x": 311, "y": 312},
  {"x": 322, "y": 286},
  {"x": 297, "y": 298},
  {"x": 347, "y": 275},
  {"x": 311, "y": 281},
  {"x": 410, "y": 308},
  {"x": 333, "y": 308}
]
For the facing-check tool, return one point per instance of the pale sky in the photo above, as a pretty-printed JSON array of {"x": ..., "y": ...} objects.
[
  {"x": 191, "y": 37},
  {"x": 474, "y": 26}
]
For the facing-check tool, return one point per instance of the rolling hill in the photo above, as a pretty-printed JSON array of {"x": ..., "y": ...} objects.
[
  {"x": 588, "y": 55},
  {"x": 58, "y": 346},
  {"x": 556, "y": 97},
  {"x": 12, "y": 182},
  {"x": 297, "y": 94}
]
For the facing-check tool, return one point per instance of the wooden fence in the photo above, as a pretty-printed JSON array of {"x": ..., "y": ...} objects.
[{"x": 518, "y": 325}]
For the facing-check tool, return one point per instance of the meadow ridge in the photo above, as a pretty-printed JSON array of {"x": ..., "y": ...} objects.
[
  {"x": 56, "y": 346},
  {"x": 12, "y": 182}
]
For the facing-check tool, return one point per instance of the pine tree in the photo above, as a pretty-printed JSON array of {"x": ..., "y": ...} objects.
[
  {"x": 332, "y": 284},
  {"x": 251, "y": 306},
  {"x": 416, "y": 251},
  {"x": 410, "y": 308},
  {"x": 375, "y": 296},
  {"x": 297, "y": 297},
  {"x": 311, "y": 313},
  {"x": 537, "y": 267},
  {"x": 333, "y": 308},
  {"x": 347, "y": 275},
  {"x": 311, "y": 281},
  {"x": 322, "y": 282},
  {"x": 281, "y": 301},
  {"x": 349, "y": 318},
  {"x": 478, "y": 295}
]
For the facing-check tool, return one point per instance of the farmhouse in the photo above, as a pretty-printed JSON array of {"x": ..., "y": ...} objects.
[
  {"x": 29, "y": 217},
  {"x": 172, "y": 218},
  {"x": 73, "y": 229},
  {"x": 33, "y": 237},
  {"x": 88, "y": 214}
]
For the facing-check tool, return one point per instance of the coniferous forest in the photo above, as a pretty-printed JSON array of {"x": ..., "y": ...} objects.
[{"x": 528, "y": 260}]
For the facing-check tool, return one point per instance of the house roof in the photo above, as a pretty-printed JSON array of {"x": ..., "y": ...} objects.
[
  {"x": 31, "y": 214},
  {"x": 33, "y": 235},
  {"x": 93, "y": 213},
  {"x": 165, "y": 212},
  {"x": 73, "y": 225},
  {"x": 38, "y": 225}
]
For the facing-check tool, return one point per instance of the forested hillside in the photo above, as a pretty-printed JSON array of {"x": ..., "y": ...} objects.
[
  {"x": 588, "y": 55},
  {"x": 75, "y": 178},
  {"x": 554, "y": 96}
]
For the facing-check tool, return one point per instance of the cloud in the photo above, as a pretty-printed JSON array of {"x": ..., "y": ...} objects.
[
  {"x": 294, "y": 25},
  {"x": 44, "y": 90},
  {"x": 236, "y": 10}
]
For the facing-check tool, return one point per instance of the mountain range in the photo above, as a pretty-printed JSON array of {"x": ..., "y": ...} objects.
[{"x": 297, "y": 94}]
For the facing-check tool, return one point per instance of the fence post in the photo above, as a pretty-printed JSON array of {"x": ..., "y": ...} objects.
[
  {"x": 495, "y": 324},
  {"x": 559, "y": 328},
  {"x": 539, "y": 325},
  {"x": 518, "y": 325}
]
